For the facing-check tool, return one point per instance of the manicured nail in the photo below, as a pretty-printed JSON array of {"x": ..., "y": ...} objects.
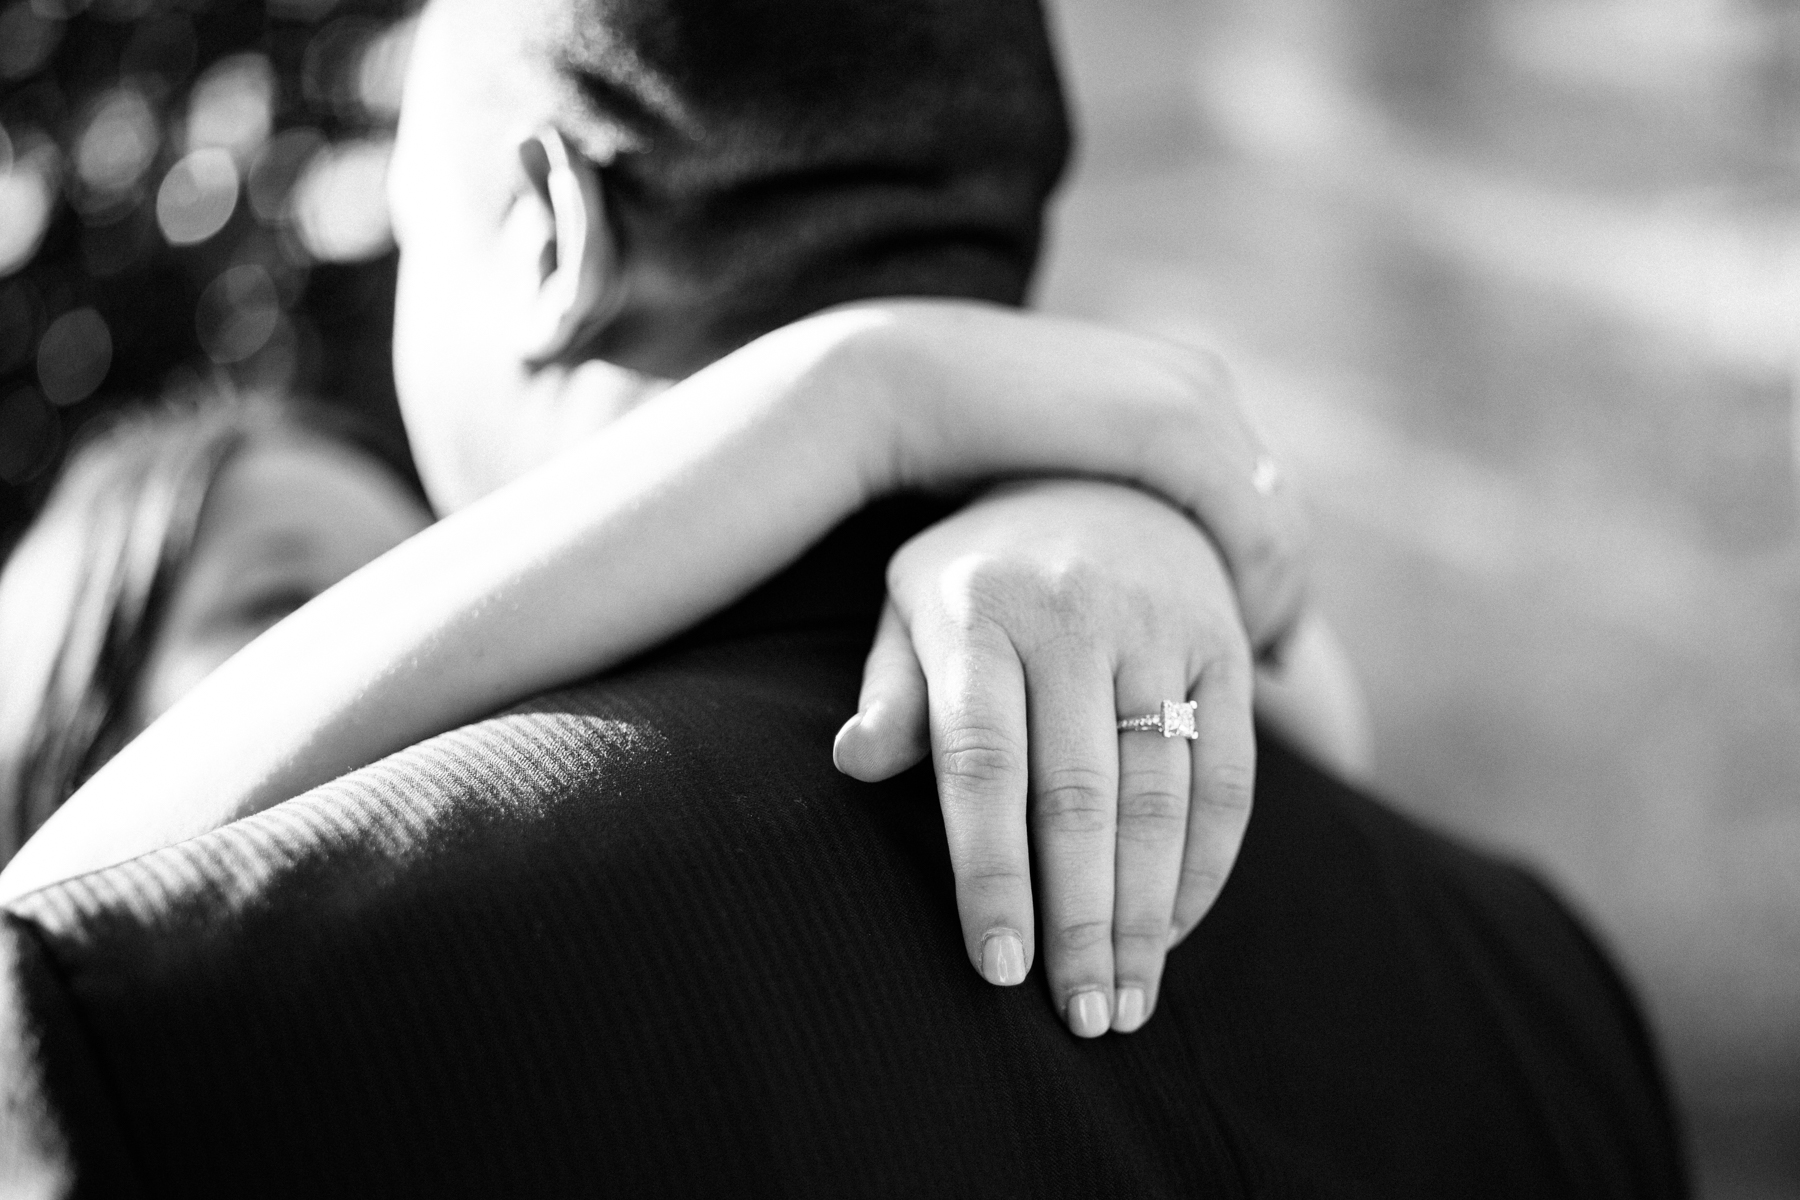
[
  {"x": 837, "y": 743},
  {"x": 1088, "y": 1016},
  {"x": 1131, "y": 1010},
  {"x": 1003, "y": 958}
]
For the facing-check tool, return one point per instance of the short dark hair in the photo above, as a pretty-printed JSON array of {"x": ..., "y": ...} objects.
[
  {"x": 773, "y": 157},
  {"x": 83, "y": 594}
]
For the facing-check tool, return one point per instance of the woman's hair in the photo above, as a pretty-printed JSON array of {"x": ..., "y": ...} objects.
[{"x": 82, "y": 595}]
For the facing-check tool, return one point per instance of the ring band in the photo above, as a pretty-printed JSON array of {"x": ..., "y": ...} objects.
[{"x": 1175, "y": 720}]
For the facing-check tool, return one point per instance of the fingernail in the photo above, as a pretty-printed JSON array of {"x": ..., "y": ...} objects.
[
  {"x": 1088, "y": 1016},
  {"x": 1131, "y": 1010},
  {"x": 837, "y": 743},
  {"x": 1003, "y": 958}
]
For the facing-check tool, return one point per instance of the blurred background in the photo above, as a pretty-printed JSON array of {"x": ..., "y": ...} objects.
[
  {"x": 1512, "y": 285},
  {"x": 191, "y": 195}
]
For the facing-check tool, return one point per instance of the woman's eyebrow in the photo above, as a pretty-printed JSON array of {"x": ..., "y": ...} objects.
[
  {"x": 258, "y": 561},
  {"x": 279, "y": 541},
  {"x": 286, "y": 545}
]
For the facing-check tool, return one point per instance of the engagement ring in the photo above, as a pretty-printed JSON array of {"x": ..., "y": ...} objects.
[{"x": 1175, "y": 720}]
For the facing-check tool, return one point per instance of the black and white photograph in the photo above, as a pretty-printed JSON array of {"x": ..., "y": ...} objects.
[{"x": 900, "y": 598}]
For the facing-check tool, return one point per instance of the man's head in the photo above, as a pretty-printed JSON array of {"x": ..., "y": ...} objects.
[{"x": 596, "y": 196}]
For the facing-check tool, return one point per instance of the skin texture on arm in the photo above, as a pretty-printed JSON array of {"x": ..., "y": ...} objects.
[{"x": 694, "y": 498}]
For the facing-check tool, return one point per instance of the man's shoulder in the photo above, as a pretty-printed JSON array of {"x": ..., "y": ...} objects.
[
  {"x": 1484, "y": 1009},
  {"x": 642, "y": 930},
  {"x": 586, "y": 939},
  {"x": 667, "y": 770}
]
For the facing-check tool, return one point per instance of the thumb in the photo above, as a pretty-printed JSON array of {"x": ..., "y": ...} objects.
[{"x": 888, "y": 734}]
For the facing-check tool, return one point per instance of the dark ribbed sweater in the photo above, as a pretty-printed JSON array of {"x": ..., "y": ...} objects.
[{"x": 640, "y": 938}]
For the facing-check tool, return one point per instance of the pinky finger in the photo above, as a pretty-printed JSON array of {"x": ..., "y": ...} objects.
[
  {"x": 1223, "y": 783},
  {"x": 888, "y": 734}
]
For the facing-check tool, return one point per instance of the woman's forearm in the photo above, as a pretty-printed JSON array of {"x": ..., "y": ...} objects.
[
  {"x": 666, "y": 516},
  {"x": 661, "y": 519}
]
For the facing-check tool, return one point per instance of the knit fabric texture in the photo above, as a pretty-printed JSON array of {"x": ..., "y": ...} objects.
[{"x": 640, "y": 938}]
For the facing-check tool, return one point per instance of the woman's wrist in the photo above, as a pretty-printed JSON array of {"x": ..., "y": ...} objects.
[
  {"x": 937, "y": 394},
  {"x": 858, "y": 403},
  {"x": 922, "y": 415}
]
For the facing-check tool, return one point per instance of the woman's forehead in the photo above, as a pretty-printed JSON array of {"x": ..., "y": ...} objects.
[{"x": 300, "y": 495}]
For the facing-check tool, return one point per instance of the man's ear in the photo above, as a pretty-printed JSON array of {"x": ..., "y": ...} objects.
[{"x": 562, "y": 242}]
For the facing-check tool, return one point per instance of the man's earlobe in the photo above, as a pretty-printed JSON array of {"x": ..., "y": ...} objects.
[{"x": 566, "y": 243}]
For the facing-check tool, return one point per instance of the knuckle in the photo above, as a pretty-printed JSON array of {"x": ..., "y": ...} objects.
[
  {"x": 985, "y": 582},
  {"x": 1141, "y": 941},
  {"x": 990, "y": 874},
  {"x": 1155, "y": 616},
  {"x": 974, "y": 593},
  {"x": 1068, "y": 587},
  {"x": 1079, "y": 937},
  {"x": 977, "y": 757},
  {"x": 1152, "y": 799},
  {"x": 1075, "y": 800},
  {"x": 1201, "y": 883},
  {"x": 900, "y": 565},
  {"x": 1230, "y": 788},
  {"x": 1046, "y": 603}
]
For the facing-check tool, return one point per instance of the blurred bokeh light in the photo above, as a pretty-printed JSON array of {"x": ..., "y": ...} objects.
[
  {"x": 197, "y": 196},
  {"x": 73, "y": 356},
  {"x": 232, "y": 106},
  {"x": 238, "y": 311},
  {"x": 340, "y": 204},
  {"x": 28, "y": 171},
  {"x": 192, "y": 193},
  {"x": 277, "y": 168},
  {"x": 26, "y": 40},
  {"x": 117, "y": 145}
]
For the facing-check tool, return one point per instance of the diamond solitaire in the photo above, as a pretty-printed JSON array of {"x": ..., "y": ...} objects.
[{"x": 1175, "y": 720}]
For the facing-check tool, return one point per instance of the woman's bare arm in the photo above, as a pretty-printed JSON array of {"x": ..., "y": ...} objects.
[{"x": 668, "y": 515}]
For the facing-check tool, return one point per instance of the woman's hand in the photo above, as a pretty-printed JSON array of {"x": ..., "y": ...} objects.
[
  {"x": 695, "y": 497},
  {"x": 1041, "y": 614},
  {"x": 973, "y": 390}
]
